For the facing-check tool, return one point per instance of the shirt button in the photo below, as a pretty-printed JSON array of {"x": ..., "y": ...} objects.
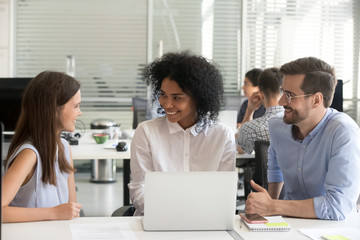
[
  {"x": 303, "y": 146},
  {"x": 299, "y": 169}
]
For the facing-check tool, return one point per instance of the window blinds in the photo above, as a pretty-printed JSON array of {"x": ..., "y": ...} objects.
[
  {"x": 107, "y": 39},
  {"x": 206, "y": 27},
  {"x": 279, "y": 31}
]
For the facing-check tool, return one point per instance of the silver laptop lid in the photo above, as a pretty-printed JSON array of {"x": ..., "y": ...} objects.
[{"x": 190, "y": 200}]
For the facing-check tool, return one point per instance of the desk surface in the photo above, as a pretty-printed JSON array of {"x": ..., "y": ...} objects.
[
  {"x": 89, "y": 149},
  {"x": 60, "y": 229}
]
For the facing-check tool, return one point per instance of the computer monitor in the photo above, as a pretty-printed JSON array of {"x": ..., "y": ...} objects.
[{"x": 11, "y": 91}]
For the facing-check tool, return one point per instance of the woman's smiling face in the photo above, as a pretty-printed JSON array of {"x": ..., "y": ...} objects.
[{"x": 179, "y": 106}]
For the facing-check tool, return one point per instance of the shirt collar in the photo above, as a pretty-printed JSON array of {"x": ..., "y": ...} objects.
[
  {"x": 175, "y": 127},
  {"x": 320, "y": 124},
  {"x": 272, "y": 109}
]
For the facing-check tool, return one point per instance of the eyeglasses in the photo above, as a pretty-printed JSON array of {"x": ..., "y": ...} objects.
[{"x": 288, "y": 96}]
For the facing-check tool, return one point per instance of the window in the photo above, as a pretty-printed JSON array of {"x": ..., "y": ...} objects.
[
  {"x": 209, "y": 28},
  {"x": 107, "y": 39},
  {"x": 111, "y": 41},
  {"x": 278, "y": 31}
]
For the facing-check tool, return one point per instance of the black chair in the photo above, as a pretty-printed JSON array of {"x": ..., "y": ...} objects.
[
  {"x": 261, "y": 160},
  {"x": 139, "y": 107},
  {"x": 1, "y": 145},
  {"x": 124, "y": 211},
  {"x": 1, "y": 151},
  {"x": 338, "y": 99},
  {"x": 258, "y": 172}
]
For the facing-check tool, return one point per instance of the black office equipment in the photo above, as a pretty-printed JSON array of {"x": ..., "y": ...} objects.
[
  {"x": 121, "y": 147},
  {"x": 11, "y": 91},
  {"x": 139, "y": 107}
]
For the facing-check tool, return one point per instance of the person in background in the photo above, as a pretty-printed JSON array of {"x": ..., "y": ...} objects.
[
  {"x": 252, "y": 107},
  {"x": 314, "y": 151},
  {"x": 270, "y": 81},
  {"x": 188, "y": 138},
  {"x": 38, "y": 183}
]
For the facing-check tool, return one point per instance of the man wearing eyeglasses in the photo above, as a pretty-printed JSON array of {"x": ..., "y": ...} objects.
[{"x": 314, "y": 151}]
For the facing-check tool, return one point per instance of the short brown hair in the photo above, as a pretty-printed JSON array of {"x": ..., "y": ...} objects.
[
  {"x": 270, "y": 81},
  {"x": 319, "y": 76}
]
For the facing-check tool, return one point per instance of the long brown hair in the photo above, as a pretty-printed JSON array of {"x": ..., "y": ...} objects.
[{"x": 39, "y": 120}]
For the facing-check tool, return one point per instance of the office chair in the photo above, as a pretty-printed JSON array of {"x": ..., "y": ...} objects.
[
  {"x": 1, "y": 145},
  {"x": 338, "y": 99},
  {"x": 261, "y": 160},
  {"x": 259, "y": 172},
  {"x": 139, "y": 107},
  {"x": 1, "y": 150},
  {"x": 124, "y": 211}
]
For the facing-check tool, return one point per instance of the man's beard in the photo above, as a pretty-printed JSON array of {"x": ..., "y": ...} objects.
[{"x": 296, "y": 117}]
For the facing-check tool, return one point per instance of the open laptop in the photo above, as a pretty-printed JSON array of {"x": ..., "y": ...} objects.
[{"x": 189, "y": 201}]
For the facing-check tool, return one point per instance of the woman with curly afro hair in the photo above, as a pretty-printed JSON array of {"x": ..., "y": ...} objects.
[{"x": 189, "y": 90}]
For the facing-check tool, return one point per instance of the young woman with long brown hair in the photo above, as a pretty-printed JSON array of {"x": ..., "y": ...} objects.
[{"x": 39, "y": 176}]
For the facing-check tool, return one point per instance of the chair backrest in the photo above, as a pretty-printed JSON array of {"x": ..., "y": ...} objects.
[
  {"x": 124, "y": 211},
  {"x": 338, "y": 99},
  {"x": 139, "y": 106},
  {"x": 261, "y": 159},
  {"x": 1, "y": 145},
  {"x": 1, "y": 149}
]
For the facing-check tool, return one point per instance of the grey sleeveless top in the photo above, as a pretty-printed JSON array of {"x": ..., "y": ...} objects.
[{"x": 35, "y": 193}]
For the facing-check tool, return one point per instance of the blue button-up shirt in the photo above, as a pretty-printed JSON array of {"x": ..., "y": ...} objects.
[{"x": 325, "y": 165}]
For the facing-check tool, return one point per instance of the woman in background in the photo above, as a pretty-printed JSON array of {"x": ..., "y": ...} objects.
[
  {"x": 252, "y": 107},
  {"x": 39, "y": 176},
  {"x": 188, "y": 138}
]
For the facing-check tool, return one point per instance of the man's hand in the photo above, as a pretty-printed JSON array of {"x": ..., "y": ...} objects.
[{"x": 259, "y": 202}]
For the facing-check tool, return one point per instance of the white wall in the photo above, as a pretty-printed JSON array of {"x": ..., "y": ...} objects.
[{"x": 5, "y": 38}]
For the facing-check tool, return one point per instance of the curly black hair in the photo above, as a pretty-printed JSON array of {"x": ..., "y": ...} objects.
[{"x": 195, "y": 75}]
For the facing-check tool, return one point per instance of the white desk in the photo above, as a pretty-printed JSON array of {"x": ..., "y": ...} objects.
[
  {"x": 60, "y": 230},
  {"x": 89, "y": 149}
]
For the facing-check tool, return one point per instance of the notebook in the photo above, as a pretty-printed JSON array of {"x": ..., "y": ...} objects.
[
  {"x": 275, "y": 224},
  {"x": 189, "y": 201}
]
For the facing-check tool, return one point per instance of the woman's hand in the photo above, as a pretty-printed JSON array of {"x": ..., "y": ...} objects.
[
  {"x": 254, "y": 102},
  {"x": 67, "y": 211}
]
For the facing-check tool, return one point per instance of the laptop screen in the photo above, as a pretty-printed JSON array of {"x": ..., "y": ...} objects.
[{"x": 190, "y": 200}]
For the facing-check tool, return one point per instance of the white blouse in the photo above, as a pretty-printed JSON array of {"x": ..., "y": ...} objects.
[{"x": 159, "y": 145}]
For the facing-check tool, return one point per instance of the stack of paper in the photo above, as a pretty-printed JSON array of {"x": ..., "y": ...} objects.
[{"x": 275, "y": 224}]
